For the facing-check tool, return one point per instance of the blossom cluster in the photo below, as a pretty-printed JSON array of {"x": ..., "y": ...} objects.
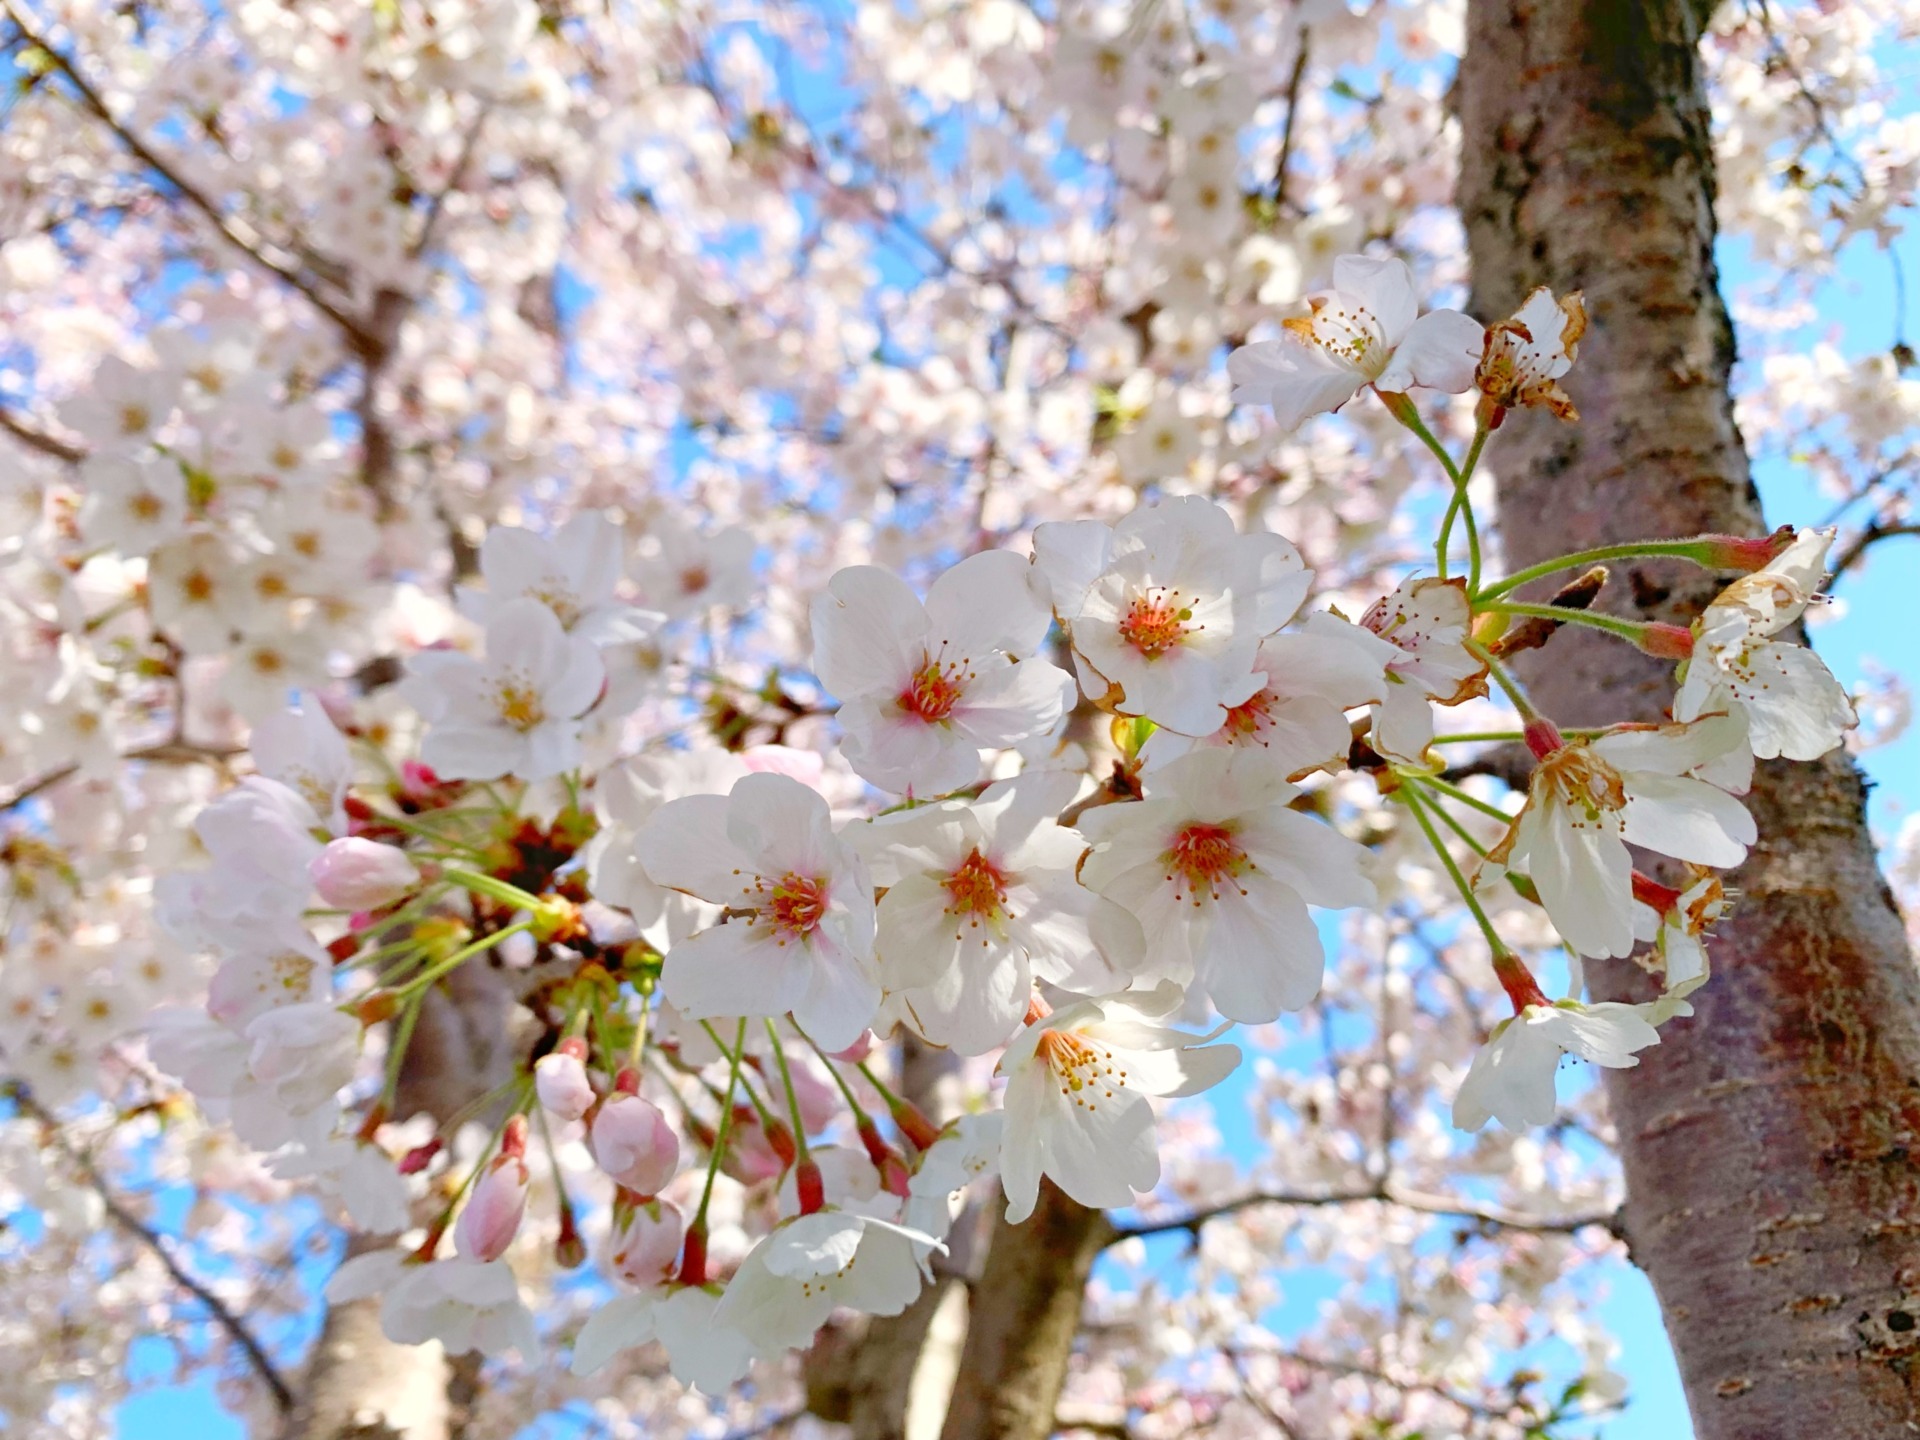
[{"x": 712, "y": 941}]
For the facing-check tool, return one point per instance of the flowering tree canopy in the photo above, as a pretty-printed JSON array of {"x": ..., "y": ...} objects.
[{"x": 677, "y": 668}]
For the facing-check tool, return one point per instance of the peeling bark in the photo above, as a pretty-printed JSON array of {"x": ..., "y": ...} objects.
[{"x": 1769, "y": 1141}]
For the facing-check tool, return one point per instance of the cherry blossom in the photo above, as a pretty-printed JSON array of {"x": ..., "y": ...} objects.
[
  {"x": 1077, "y": 1086},
  {"x": 923, "y": 689},
  {"x": 803, "y": 941},
  {"x": 517, "y": 711},
  {"x": 1366, "y": 330},
  {"x": 1219, "y": 873},
  {"x": 1166, "y": 610},
  {"x": 1512, "y": 1077}
]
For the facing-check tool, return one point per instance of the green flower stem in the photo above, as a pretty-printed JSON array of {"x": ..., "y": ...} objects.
[
  {"x": 1631, "y": 630},
  {"x": 460, "y": 957},
  {"x": 1453, "y": 823},
  {"x": 1694, "y": 550},
  {"x": 1414, "y": 803},
  {"x": 397, "y": 1049},
  {"x": 1515, "y": 695},
  {"x": 793, "y": 1095},
  {"x": 1454, "y": 792},
  {"x": 725, "y": 1127}
]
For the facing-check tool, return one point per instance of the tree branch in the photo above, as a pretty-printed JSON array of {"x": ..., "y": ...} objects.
[
  {"x": 35, "y": 438},
  {"x": 224, "y": 225},
  {"x": 159, "y": 1244},
  {"x": 1385, "y": 1193},
  {"x": 1875, "y": 532}
]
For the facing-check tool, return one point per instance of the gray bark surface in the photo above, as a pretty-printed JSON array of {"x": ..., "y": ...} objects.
[{"x": 1769, "y": 1142}]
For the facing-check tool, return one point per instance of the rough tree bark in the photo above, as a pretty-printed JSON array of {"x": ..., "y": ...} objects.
[
  {"x": 1769, "y": 1142},
  {"x": 1026, "y": 1311}
]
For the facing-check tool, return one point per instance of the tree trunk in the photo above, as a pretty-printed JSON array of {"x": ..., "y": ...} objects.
[
  {"x": 1025, "y": 1313},
  {"x": 1768, "y": 1142}
]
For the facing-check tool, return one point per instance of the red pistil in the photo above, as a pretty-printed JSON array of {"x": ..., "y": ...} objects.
[{"x": 934, "y": 690}]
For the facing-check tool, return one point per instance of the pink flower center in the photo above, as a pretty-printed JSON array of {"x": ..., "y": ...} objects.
[
  {"x": 977, "y": 888},
  {"x": 797, "y": 904},
  {"x": 934, "y": 690},
  {"x": 1205, "y": 857},
  {"x": 1250, "y": 717},
  {"x": 1154, "y": 626},
  {"x": 1087, "y": 1072}
]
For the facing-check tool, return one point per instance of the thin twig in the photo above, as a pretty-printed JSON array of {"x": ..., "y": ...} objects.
[
  {"x": 1294, "y": 80},
  {"x": 36, "y": 439},
  {"x": 1386, "y": 1193},
  {"x": 160, "y": 1245}
]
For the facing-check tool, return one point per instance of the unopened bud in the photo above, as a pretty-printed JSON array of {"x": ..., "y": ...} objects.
[
  {"x": 418, "y": 1158},
  {"x": 647, "y": 1245},
  {"x": 356, "y": 874},
  {"x": 560, "y": 1080},
  {"x": 633, "y": 1143},
  {"x": 494, "y": 1211}
]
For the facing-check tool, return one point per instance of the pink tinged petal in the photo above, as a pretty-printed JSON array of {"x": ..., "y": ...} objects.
[
  {"x": 1687, "y": 819},
  {"x": 1441, "y": 351},
  {"x": 976, "y": 1003},
  {"x": 550, "y": 749},
  {"x": 686, "y": 846},
  {"x": 918, "y": 940},
  {"x": 1606, "y": 1034},
  {"x": 869, "y": 632},
  {"x": 527, "y": 635},
  {"x": 1068, "y": 556},
  {"x": 1295, "y": 379},
  {"x": 1671, "y": 749},
  {"x": 1021, "y": 1158},
  {"x": 895, "y": 750},
  {"x": 1180, "y": 1070},
  {"x": 1263, "y": 956},
  {"x": 1324, "y": 866},
  {"x": 988, "y": 602},
  {"x": 1403, "y": 723},
  {"x": 735, "y": 969},
  {"x": 1006, "y": 704}
]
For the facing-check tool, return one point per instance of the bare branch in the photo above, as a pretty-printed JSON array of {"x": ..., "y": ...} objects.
[
  {"x": 35, "y": 438},
  {"x": 159, "y": 1244},
  {"x": 1875, "y": 532},
  {"x": 1385, "y": 1193}
]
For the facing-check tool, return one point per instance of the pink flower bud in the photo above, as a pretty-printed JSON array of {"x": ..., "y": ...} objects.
[
  {"x": 634, "y": 1144},
  {"x": 647, "y": 1250},
  {"x": 560, "y": 1080},
  {"x": 494, "y": 1211},
  {"x": 356, "y": 874}
]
